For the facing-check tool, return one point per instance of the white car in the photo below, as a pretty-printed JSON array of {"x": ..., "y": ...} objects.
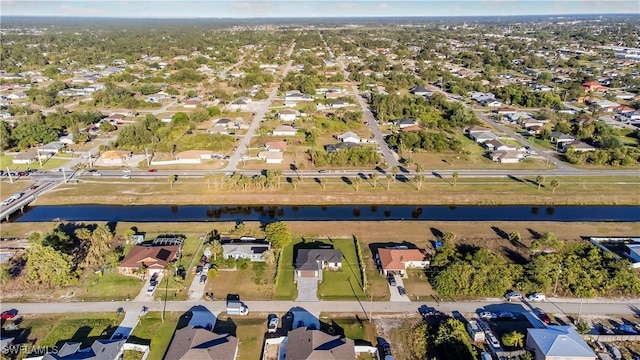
[
  {"x": 96, "y": 174},
  {"x": 513, "y": 295},
  {"x": 151, "y": 289},
  {"x": 126, "y": 170},
  {"x": 491, "y": 339},
  {"x": 126, "y": 176},
  {"x": 487, "y": 315},
  {"x": 536, "y": 297},
  {"x": 273, "y": 324}
]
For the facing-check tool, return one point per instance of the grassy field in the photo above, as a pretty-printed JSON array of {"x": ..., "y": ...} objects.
[
  {"x": 285, "y": 288},
  {"x": 110, "y": 286},
  {"x": 250, "y": 332},
  {"x": 417, "y": 286},
  {"x": 253, "y": 283},
  {"x": 53, "y": 329},
  {"x": 333, "y": 285},
  {"x": 155, "y": 333},
  {"x": 355, "y": 328},
  {"x": 51, "y": 163},
  {"x": 613, "y": 190}
]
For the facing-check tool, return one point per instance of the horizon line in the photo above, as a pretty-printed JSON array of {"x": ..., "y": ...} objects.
[{"x": 317, "y": 17}]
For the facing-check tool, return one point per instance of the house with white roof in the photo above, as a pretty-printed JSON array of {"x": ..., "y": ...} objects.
[
  {"x": 558, "y": 342},
  {"x": 284, "y": 130},
  {"x": 349, "y": 136}
]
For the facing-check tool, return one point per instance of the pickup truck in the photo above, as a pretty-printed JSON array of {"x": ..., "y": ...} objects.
[{"x": 236, "y": 307}]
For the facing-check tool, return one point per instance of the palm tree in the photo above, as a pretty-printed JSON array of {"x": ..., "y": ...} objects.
[
  {"x": 356, "y": 182},
  {"x": 419, "y": 168},
  {"x": 375, "y": 177},
  {"x": 455, "y": 177},
  {"x": 394, "y": 171},
  {"x": 278, "y": 175},
  {"x": 294, "y": 182},
  {"x": 419, "y": 179},
  {"x": 389, "y": 179},
  {"x": 539, "y": 180},
  {"x": 209, "y": 177},
  {"x": 323, "y": 182},
  {"x": 554, "y": 185},
  {"x": 171, "y": 179}
]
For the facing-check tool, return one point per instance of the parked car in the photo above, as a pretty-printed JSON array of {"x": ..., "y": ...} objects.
[
  {"x": 391, "y": 279},
  {"x": 206, "y": 267},
  {"x": 151, "y": 289},
  {"x": 491, "y": 339},
  {"x": 402, "y": 291},
  {"x": 273, "y": 323},
  {"x": 22, "y": 173},
  {"x": 487, "y": 315},
  {"x": 198, "y": 269},
  {"x": 513, "y": 295},
  {"x": 536, "y": 297},
  {"x": 545, "y": 318},
  {"x": 9, "y": 314},
  {"x": 505, "y": 315},
  {"x": 203, "y": 279}
]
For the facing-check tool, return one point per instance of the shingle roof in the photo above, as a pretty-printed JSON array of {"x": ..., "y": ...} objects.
[
  {"x": 99, "y": 350},
  {"x": 160, "y": 255},
  {"x": 307, "y": 259},
  {"x": 394, "y": 259},
  {"x": 305, "y": 344},
  {"x": 192, "y": 343}
]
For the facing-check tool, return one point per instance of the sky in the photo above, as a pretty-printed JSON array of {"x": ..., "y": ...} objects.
[{"x": 317, "y": 8}]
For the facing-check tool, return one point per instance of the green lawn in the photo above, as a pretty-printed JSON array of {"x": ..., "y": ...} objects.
[
  {"x": 356, "y": 328},
  {"x": 155, "y": 333},
  {"x": 417, "y": 286},
  {"x": 52, "y": 163},
  {"x": 53, "y": 329},
  {"x": 249, "y": 331},
  {"x": 285, "y": 288},
  {"x": 110, "y": 286}
]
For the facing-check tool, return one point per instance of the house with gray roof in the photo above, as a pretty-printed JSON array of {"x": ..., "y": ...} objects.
[
  {"x": 245, "y": 250},
  {"x": 99, "y": 350},
  {"x": 310, "y": 262},
  {"x": 196, "y": 343},
  {"x": 306, "y": 344},
  {"x": 558, "y": 342}
]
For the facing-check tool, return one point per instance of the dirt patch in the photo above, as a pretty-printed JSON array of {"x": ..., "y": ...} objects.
[{"x": 393, "y": 328}]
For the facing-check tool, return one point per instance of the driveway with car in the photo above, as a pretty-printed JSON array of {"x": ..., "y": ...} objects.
[{"x": 393, "y": 290}]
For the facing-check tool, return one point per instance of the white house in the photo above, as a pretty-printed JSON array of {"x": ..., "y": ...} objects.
[
  {"x": 245, "y": 250},
  {"x": 52, "y": 148},
  {"x": 284, "y": 130},
  {"x": 506, "y": 157},
  {"x": 25, "y": 157},
  {"x": 295, "y": 95},
  {"x": 349, "y": 136},
  {"x": 288, "y": 115},
  {"x": 271, "y": 157},
  {"x": 66, "y": 139}
]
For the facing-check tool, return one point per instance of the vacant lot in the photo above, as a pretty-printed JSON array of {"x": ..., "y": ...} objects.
[
  {"x": 417, "y": 286},
  {"x": 256, "y": 282}
]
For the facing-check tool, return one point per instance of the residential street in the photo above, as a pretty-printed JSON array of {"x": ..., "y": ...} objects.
[{"x": 552, "y": 306}]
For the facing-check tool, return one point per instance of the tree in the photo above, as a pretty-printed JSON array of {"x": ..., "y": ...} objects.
[
  {"x": 455, "y": 177},
  {"x": 513, "y": 339},
  {"x": 129, "y": 233},
  {"x": 514, "y": 236},
  {"x": 209, "y": 177},
  {"x": 107, "y": 127},
  {"x": 323, "y": 182},
  {"x": 375, "y": 177},
  {"x": 418, "y": 179},
  {"x": 216, "y": 249},
  {"x": 449, "y": 236},
  {"x": 268, "y": 257},
  {"x": 278, "y": 233},
  {"x": 539, "y": 180},
  {"x": 98, "y": 246},
  {"x": 171, "y": 179},
  {"x": 356, "y": 182},
  {"x": 394, "y": 171},
  {"x": 419, "y": 168},
  {"x": 389, "y": 178},
  {"x": 5, "y": 275},
  {"x": 48, "y": 267},
  {"x": 554, "y": 185}
]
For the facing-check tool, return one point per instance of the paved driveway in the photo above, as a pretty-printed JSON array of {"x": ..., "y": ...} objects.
[
  {"x": 393, "y": 290},
  {"x": 307, "y": 289}
]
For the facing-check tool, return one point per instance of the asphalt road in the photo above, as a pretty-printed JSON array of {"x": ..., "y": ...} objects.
[{"x": 554, "y": 306}]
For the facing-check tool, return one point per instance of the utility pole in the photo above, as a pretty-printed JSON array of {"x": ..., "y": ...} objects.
[
  {"x": 64, "y": 175},
  {"x": 557, "y": 278},
  {"x": 580, "y": 311},
  {"x": 370, "y": 306},
  {"x": 146, "y": 151},
  {"x": 10, "y": 178},
  {"x": 166, "y": 291}
]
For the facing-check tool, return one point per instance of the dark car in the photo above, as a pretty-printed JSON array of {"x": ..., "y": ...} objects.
[
  {"x": 34, "y": 187},
  {"x": 9, "y": 314},
  {"x": 22, "y": 173},
  {"x": 203, "y": 279},
  {"x": 198, "y": 269},
  {"x": 392, "y": 280},
  {"x": 401, "y": 290},
  {"x": 545, "y": 318}
]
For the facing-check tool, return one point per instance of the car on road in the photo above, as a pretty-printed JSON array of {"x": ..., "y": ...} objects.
[
  {"x": 126, "y": 170},
  {"x": 152, "y": 170},
  {"x": 536, "y": 297},
  {"x": 513, "y": 295},
  {"x": 34, "y": 187},
  {"x": 96, "y": 173},
  {"x": 273, "y": 323},
  {"x": 9, "y": 314},
  {"x": 126, "y": 176},
  {"x": 8, "y": 201},
  {"x": 487, "y": 315},
  {"x": 16, "y": 196},
  {"x": 391, "y": 279},
  {"x": 22, "y": 173},
  {"x": 402, "y": 291},
  {"x": 322, "y": 171}
]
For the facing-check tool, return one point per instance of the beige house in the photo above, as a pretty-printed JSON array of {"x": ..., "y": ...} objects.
[{"x": 114, "y": 157}]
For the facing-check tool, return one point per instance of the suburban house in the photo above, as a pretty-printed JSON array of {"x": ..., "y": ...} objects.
[
  {"x": 482, "y": 97},
  {"x": 559, "y": 138},
  {"x": 240, "y": 103},
  {"x": 406, "y": 122},
  {"x": 594, "y": 86},
  {"x": 339, "y": 104},
  {"x": 506, "y": 110},
  {"x": 349, "y": 136},
  {"x": 310, "y": 262},
  {"x": 308, "y": 344},
  {"x": 152, "y": 258},
  {"x": 25, "y": 157},
  {"x": 114, "y": 157},
  {"x": 271, "y": 157},
  {"x": 224, "y": 122},
  {"x": 420, "y": 91},
  {"x": 578, "y": 146},
  {"x": 198, "y": 343},
  {"x": 99, "y": 350},
  {"x": 251, "y": 250},
  {"x": 285, "y": 130},
  {"x": 491, "y": 103},
  {"x": 276, "y": 146},
  {"x": 194, "y": 156},
  {"x": 51, "y": 148},
  {"x": 288, "y": 115},
  {"x": 192, "y": 103},
  {"x": 66, "y": 139},
  {"x": 482, "y": 137},
  {"x": 398, "y": 260},
  {"x": 340, "y": 146},
  {"x": 497, "y": 145},
  {"x": 634, "y": 252},
  {"x": 295, "y": 95},
  {"x": 506, "y": 157},
  {"x": 558, "y": 342}
]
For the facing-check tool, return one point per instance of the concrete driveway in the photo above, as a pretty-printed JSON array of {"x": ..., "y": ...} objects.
[
  {"x": 393, "y": 290},
  {"x": 196, "y": 290},
  {"x": 307, "y": 289}
]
